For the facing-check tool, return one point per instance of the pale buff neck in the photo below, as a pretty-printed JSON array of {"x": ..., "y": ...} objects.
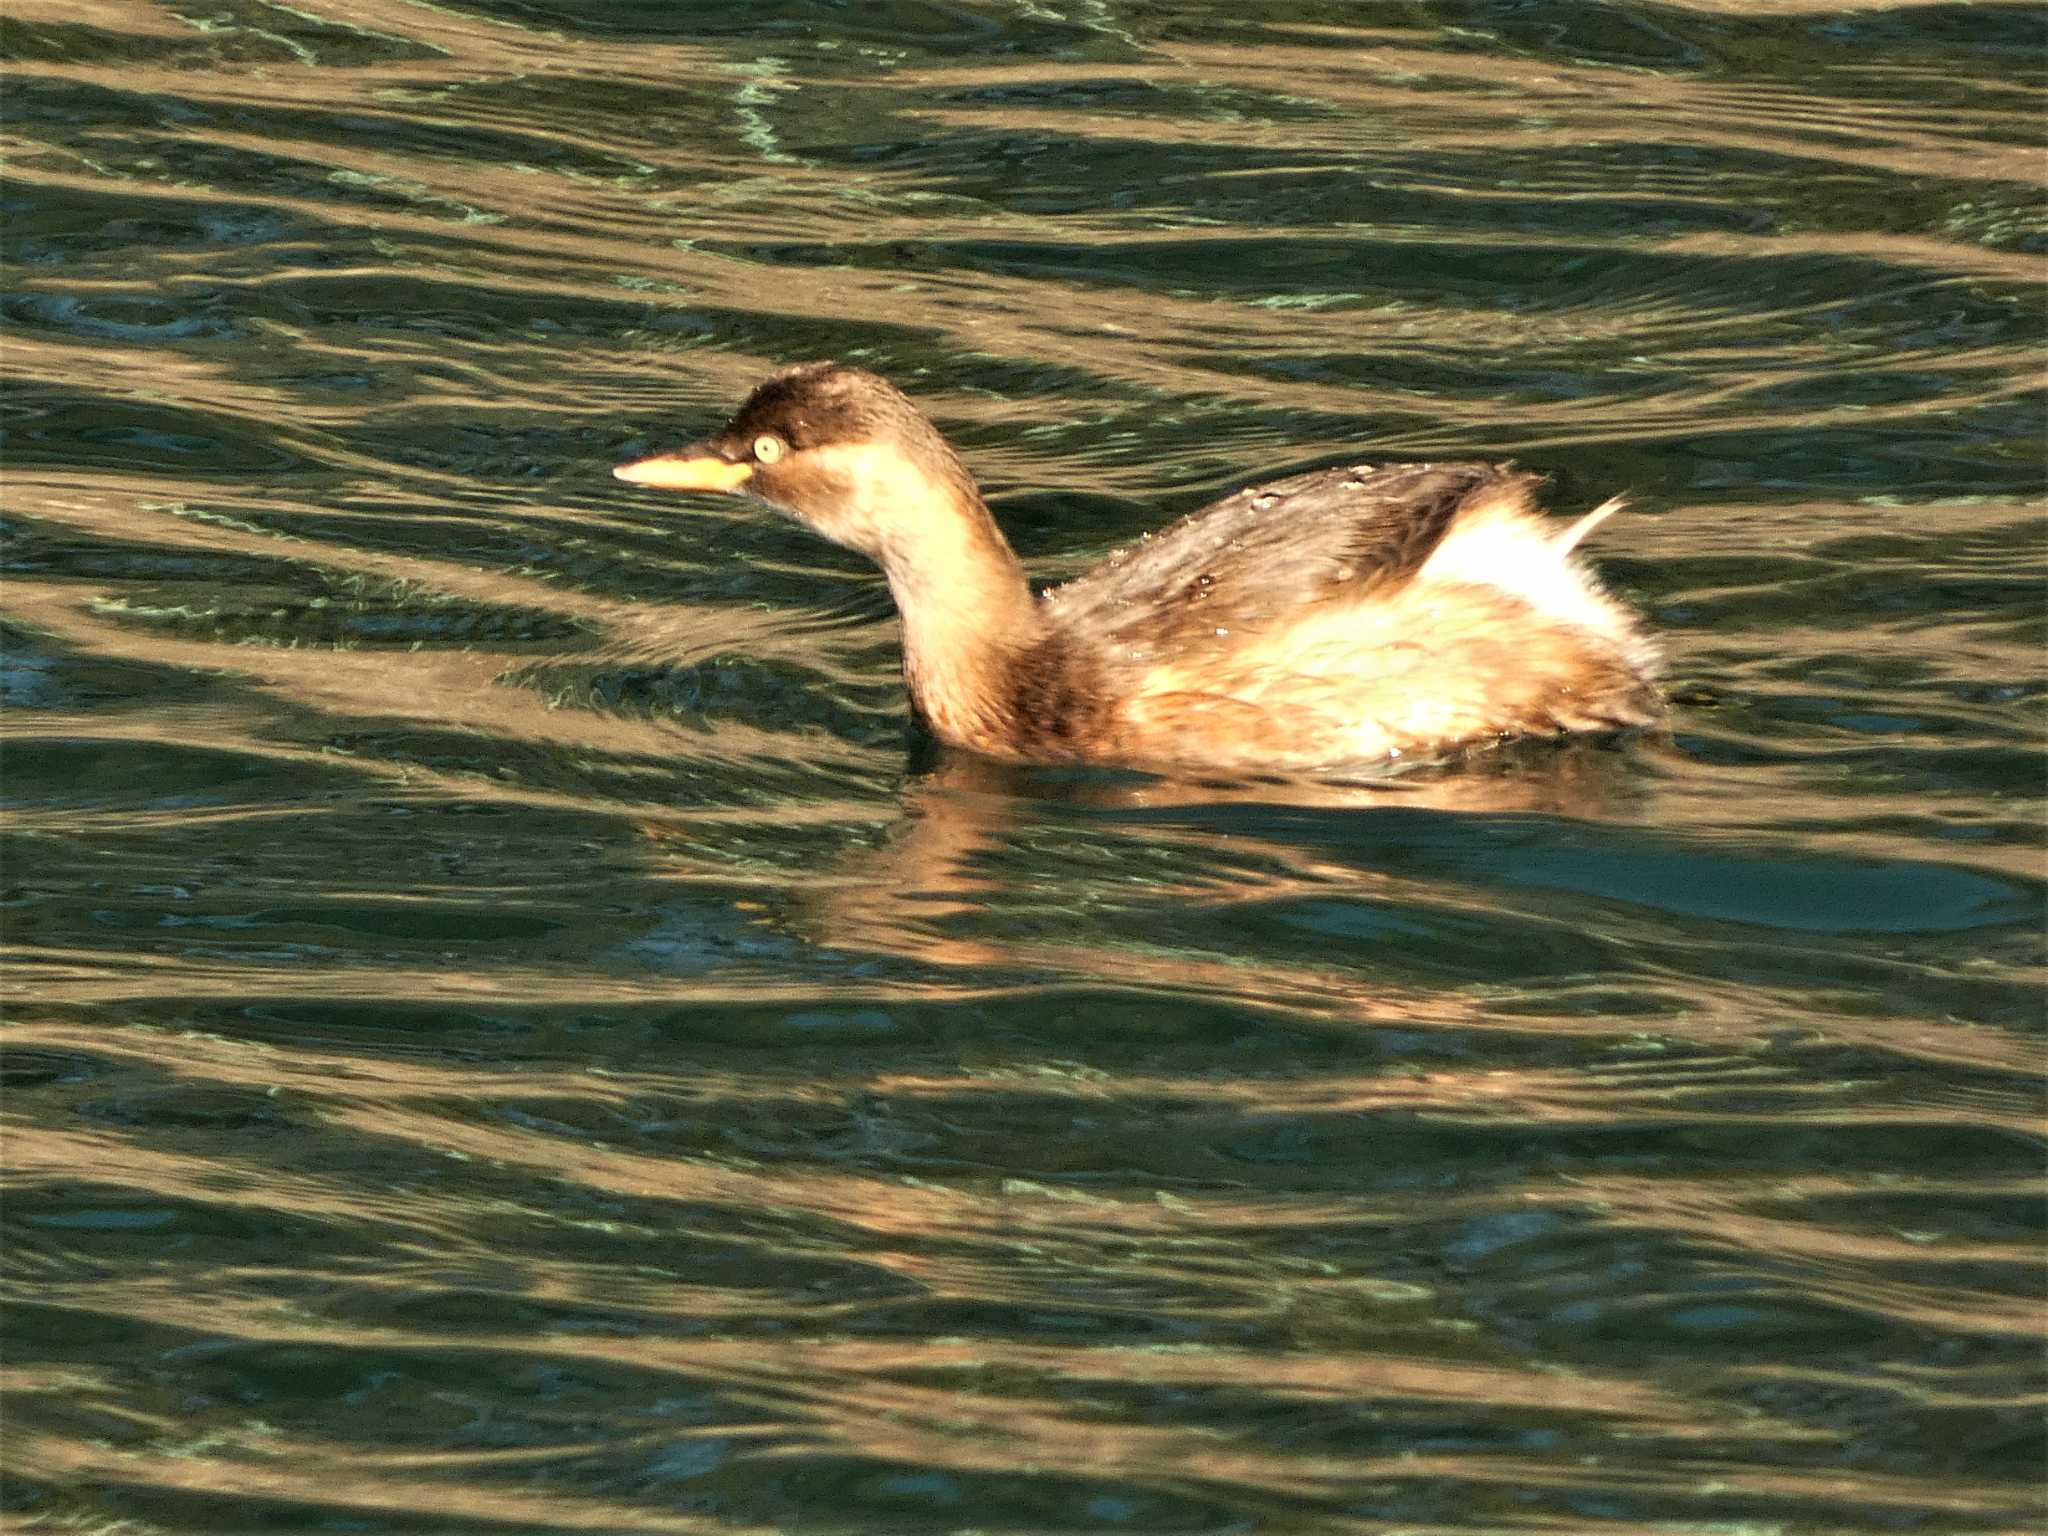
[
  {"x": 966, "y": 609},
  {"x": 967, "y": 613}
]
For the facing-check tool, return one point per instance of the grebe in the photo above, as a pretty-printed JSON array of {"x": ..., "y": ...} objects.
[{"x": 1336, "y": 618}]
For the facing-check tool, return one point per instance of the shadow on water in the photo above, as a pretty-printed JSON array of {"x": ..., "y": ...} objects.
[{"x": 508, "y": 1031}]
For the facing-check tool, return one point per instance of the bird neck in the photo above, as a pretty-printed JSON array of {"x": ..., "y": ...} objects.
[{"x": 967, "y": 613}]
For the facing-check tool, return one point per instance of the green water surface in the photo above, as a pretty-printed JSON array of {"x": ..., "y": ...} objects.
[{"x": 510, "y": 1031}]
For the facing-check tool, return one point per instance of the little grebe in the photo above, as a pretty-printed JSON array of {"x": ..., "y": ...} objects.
[{"x": 1332, "y": 618}]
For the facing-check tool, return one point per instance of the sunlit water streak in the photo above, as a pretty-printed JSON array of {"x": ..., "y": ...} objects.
[{"x": 509, "y": 1032}]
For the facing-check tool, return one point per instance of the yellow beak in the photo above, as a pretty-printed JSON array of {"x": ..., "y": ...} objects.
[{"x": 685, "y": 471}]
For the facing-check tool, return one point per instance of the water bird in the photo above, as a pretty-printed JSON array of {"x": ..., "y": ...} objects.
[{"x": 1338, "y": 618}]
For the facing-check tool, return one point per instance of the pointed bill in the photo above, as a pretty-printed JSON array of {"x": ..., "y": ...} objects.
[{"x": 690, "y": 470}]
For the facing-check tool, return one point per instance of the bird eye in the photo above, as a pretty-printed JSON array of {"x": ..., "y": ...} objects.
[{"x": 767, "y": 448}]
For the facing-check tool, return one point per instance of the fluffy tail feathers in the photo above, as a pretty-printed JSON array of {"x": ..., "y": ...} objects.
[{"x": 1570, "y": 538}]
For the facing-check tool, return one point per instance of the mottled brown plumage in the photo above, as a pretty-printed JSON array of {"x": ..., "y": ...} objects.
[
  {"x": 1248, "y": 561},
  {"x": 1328, "y": 619}
]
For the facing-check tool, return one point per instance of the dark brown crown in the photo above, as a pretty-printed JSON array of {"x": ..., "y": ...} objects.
[{"x": 815, "y": 404}]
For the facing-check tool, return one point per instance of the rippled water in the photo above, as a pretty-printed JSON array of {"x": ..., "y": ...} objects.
[{"x": 510, "y": 1033}]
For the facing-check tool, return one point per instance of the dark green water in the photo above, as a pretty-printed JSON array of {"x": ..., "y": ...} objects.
[{"x": 509, "y": 1033}]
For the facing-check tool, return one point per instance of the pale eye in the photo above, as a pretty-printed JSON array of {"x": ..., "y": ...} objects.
[{"x": 767, "y": 448}]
